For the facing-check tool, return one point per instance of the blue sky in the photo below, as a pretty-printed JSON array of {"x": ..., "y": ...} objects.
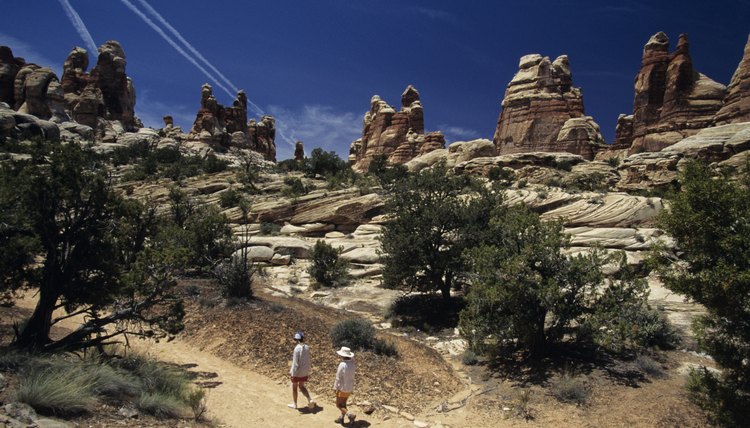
[{"x": 315, "y": 64}]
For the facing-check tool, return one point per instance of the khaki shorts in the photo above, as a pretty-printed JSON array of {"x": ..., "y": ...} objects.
[{"x": 342, "y": 394}]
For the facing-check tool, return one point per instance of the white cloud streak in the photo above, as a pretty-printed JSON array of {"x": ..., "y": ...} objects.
[
  {"x": 77, "y": 22},
  {"x": 318, "y": 126},
  {"x": 176, "y": 46},
  {"x": 215, "y": 75},
  {"x": 456, "y": 133},
  {"x": 29, "y": 53}
]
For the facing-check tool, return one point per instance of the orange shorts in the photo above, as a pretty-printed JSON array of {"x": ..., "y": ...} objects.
[
  {"x": 299, "y": 379},
  {"x": 342, "y": 394}
]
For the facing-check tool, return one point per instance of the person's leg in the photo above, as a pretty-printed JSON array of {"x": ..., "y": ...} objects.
[
  {"x": 304, "y": 391},
  {"x": 341, "y": 405},
  {"x": 294, "y": 394}
]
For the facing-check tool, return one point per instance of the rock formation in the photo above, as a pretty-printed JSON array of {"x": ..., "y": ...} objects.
[
  {"x": 672, "y": 100},
  {"x": 117, "y": 89},
  {"x": 224, "y": 127},
  {"x": 299, "y": 151},
  {"x": 9, "y": 67},
  {"x": 398, "y": 135},
  {"x": 538, "y": 104},
  {"x": 737, "y": 102}
]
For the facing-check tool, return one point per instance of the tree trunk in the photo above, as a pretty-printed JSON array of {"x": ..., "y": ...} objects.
[
  {"x": 536, "y": 341},
  {"x": 35, "y": 334}
]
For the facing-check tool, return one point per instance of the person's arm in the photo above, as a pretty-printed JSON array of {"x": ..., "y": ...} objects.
[
  {"x": 339, "y": 377},
  {"x": 295, "y": 362}
]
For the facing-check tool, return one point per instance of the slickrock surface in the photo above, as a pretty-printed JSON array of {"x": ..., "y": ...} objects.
[{"x": 736, "y": 106}]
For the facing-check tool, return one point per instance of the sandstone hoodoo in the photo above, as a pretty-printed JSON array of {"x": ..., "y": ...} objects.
[
  {"x": 398, "y": 135},
  {"x": 543, "y": 112},
  {"x": 299, "y": 151},
  {"x": 737, "y": 102},
  {"x": 223, "y": 127},
  {"x": 672, "y": 100}
]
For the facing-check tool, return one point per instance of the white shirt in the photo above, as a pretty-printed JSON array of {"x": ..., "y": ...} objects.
[
  {"x": 300, "y": 361},
  {"x": 345, "y": 376}
]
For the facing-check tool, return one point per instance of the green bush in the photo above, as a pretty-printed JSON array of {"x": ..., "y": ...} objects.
[
  {"x": 563, "y": 164},
  {"x": 649, "y": 366},
  {"x": 235, "y": 277},
  {"x": 427, "y": 312},
  {"x": 325, "y": 164},
  {"x": 229, "y": 198},
  {"x": 327, "y": 268},
  {"x": 295, "y": 187},
  {"x": 359, "y": 334},
  {"x": 213, "y": 164},
  {"x": 613, "y": 161},
  {"x": 268, "y": 228}
]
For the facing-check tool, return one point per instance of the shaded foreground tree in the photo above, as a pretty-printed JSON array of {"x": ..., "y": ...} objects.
[
  {"x": 427, "y": 231},
  {"x": 526, "y": 294},
  {"x": 65, "y": 233},
  {"x": 710, "y": 220}
]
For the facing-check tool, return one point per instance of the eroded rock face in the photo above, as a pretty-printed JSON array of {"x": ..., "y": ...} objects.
[
  {"x": 299, "y": 151},
  {"x": 672, "y": 100},
  {"x": 537, "y": 104},
  {"x": 224, "y": 127},
  {"x": 399, "y": 135},
  {"x": 9, "y": 67},
  {"x": 118, "y": 93},
  {"x": 737, "y": 102}
]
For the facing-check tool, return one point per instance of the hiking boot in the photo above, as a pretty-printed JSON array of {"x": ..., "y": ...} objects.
[
  {"x": 340, "y": 419},
  {"x": 311, "y": 405},
  {"x": 351, "y": 417}
]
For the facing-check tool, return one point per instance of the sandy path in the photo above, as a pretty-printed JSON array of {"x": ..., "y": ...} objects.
[{"x": 244, "y": 398}]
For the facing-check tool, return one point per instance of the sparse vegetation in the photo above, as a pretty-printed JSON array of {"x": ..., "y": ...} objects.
[
  {"x": 570, "y": 389},
  {"x": 268, "y": 228},
  {"x": 328, "y": 269},
  {"x": 359, "y": 334},
  {"x": 295, "y": 187},
  {"x": 229, "y": 198}
]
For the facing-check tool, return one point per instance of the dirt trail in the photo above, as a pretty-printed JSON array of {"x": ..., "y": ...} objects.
[{"x": 244, "y": 398}]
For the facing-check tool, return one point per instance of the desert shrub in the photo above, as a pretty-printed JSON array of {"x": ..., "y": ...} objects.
[
  {"x": 613, "y": 161},
  {"x": 213, "y": 164},
  {"x": 327, "y": 268},
  {"x": 570, "y": 389},
  {"x": 156, "y": 377},
  {"x": 522, "y": 183},
  {"x": 229, "y": 198},
  {"x": 294, "y": 187},
  {"x": 197, "y": 400},
  {"x": 57, "y": 390},
  {"x": 498, "y": 173},
  {"x": 596, "y": 181},
  {"x": 325, "y": 164},
  {"x": 469, "y": 358},
  {"x": 649, "y": 366},
  {"x": 268, "y": 228},
  {"x": 161, "y": 405},
  {"x": 563, "y": 164},
  {"x": 359, "y": 334},
  {"x": 111, "y": 382},
  {"x": 166, "y": 155},
  {"x": 235, "y": 277}
]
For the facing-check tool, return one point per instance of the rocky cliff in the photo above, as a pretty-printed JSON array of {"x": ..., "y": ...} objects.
[
  {"x": 736, "y": 106},
  {"x": 223, "y": 127},
  {"x": 399, "y": 135},
  {"x": 672, "y": 100},
  {"x": 542, "y": 111}
]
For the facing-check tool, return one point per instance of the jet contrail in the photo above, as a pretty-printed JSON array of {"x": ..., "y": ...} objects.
[
  {"x": 177, "y": 47},
  {"x": 257, "y": 110},
  {"x": 77, "y": 22},
  {"x": 185, "y": 43},
  {"x": 222, "y": 81}
]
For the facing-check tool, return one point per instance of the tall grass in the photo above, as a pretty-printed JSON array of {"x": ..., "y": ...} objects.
[{"x": 56, "y": 389}]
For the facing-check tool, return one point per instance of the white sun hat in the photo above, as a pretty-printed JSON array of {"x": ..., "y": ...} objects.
[{"x": 345, "y": 352}]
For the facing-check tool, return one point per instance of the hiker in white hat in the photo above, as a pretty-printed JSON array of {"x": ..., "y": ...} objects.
[
  {"x": 300, "y": 370},
  {"x": 344, "y": 383}
]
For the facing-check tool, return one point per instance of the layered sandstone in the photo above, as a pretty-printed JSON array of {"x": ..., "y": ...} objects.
[
  {"x": 399, "y": 135},
  {"x": 299, "y": 151},
  {"x": 539, "y": 101},
  {"x": 736, "y": 106},
  {"x": 117, "y": 90},
  {"x": 672, "y": 100}
]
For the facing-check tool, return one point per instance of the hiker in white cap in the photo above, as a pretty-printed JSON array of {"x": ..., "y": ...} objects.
[
  {"x": 300, "y": 370},
  {"x": 344, "y": 383}
]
